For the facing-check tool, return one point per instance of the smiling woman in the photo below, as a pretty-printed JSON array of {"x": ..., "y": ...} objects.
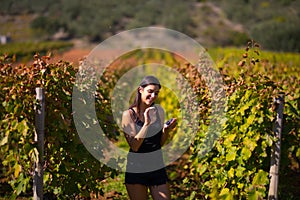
[{"x": 145, "y": 132}]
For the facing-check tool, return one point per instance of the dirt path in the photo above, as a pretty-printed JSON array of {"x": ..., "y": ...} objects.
[
  {"x": 73, "y": 56},
  {"x": 80, "y": 50}
]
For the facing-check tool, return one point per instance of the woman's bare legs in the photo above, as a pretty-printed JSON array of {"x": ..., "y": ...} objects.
[
  {"x": 137, "y": 191},
  {"x": 160, "y": 192}
]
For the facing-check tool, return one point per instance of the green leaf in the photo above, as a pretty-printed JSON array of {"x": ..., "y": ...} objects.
[
  {"x": 247, "y": 94},
  {"x": 201, "y": 168},
  {"x": 226, "y": 194},
  {"x": 246, "y": 106},
  {"x": 253, "y": 195},
  {"x": 22, "y": 127},
  {"x": 231, "y": 154},
  {"x": 185, "y": 180},
  {"x": 249, "y": 143},
  {"x": 260, "y": 178},
  {"x": 298, "y": 153},
  {"x": 192, "y": 196},
  {"x": 21, "y": 186},
  {"x": 239, "y": 172},
  {"x": 246, "y": 153}
]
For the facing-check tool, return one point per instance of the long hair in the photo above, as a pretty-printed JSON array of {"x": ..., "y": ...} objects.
[{"x": 147, "y": 80}]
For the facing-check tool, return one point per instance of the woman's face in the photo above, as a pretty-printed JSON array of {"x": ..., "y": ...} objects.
[{"x": 149, "y": 94}]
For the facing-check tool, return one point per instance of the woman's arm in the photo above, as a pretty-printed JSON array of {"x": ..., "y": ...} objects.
[
  {"x": 134, "y": 139},
  {"x": 166, "y": 129}
]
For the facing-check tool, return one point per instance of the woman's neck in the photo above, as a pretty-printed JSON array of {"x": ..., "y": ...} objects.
[{"x": 142, "y": 109}]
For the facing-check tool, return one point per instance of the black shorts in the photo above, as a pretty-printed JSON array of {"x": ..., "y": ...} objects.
[{"x": 158, "y": 177}]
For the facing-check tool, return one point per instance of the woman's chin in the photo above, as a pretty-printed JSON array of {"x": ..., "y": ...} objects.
[{"x": 149, "y": 103}]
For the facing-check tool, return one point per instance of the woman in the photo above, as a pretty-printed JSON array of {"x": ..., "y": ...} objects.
[{"x": 145, "y": 132}]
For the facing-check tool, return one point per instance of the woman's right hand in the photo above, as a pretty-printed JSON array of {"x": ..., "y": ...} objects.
[{"x": 150, "y": 115}]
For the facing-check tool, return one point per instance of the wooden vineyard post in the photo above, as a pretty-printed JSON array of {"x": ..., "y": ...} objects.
[
  {"x": 275, "y": 154},
  {"x": 39, "y": 139}
]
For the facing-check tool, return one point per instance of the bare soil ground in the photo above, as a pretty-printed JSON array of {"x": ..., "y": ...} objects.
[
  {"x": 73, "y": 55},
  {"x": 79, "y": 51}
]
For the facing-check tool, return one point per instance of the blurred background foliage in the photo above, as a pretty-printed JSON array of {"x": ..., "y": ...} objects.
[
  {"x": 274, "y": 24},
  {"x": 36, "y": 26}
]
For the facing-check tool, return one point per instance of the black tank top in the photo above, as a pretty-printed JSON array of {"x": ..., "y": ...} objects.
[{"x": 153, "y": 137}]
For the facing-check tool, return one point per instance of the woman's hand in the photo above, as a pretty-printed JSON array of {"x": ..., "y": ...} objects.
[
  {"x": 171, "y": 124},
  {"x": 167, "y": 128},
  {"x": 150, "y": 115}
]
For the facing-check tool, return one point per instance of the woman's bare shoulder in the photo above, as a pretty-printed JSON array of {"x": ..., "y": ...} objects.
[{"x": 126, "y": 113}]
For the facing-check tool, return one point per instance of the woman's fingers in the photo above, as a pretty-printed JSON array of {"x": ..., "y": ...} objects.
[
  {"x": 150, "y": 115},
  {"x": 172, "y": 124}
]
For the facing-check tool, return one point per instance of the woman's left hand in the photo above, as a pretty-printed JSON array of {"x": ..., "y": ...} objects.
[{"x": 171, "y": 125}]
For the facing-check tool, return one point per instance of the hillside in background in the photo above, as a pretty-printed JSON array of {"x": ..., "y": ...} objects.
[{"x": 274, "y": 24}]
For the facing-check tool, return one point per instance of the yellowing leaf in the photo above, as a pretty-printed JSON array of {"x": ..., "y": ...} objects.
[
  {"x": 201, "y": 169},
  {"x": 4, "y": 141},
  {"x": 250, "y": 119},
  {"x": 231, "y": 154},
  {"x": 226, "y": 194},
  {"x": 229, "y": 139},
  {"x": 240, "y": 185},
  {"x": 231, "y": 173},
  {"x": 22, "y": 127},
  {"x": 260, "y": 178},
  {"x": 298, "y": 153},
  {"x": 246, "y": 153},
  {"x": 239, "y": 172},
  {"x": 251, "y": 144},
  {"x": 18, "y": 169}
]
